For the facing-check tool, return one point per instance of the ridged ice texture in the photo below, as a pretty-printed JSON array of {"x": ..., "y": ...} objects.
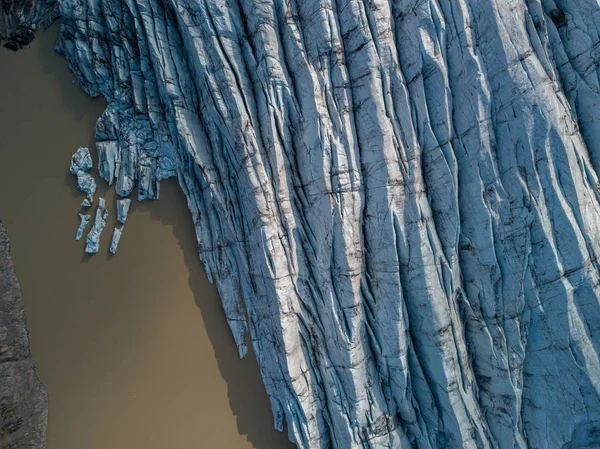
[{"x": 402, "y": 194}]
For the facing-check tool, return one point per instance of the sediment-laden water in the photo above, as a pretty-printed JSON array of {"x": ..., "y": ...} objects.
[{"x": 134, "y": 349}]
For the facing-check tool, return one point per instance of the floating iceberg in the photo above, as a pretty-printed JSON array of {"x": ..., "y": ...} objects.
[
  {"x": 85, "y": 219},
  {"x": 93, "y": 237},
  {"x": 81, "y": 164},
  {"x": 115, "y": 239}
]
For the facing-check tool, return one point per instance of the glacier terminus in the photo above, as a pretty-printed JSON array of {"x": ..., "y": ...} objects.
[{"x": 398, "y": 200}]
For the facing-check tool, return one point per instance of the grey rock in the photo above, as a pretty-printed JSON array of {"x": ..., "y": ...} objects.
[
  {"x": 93, "y": 237},
  {"x": 85, "y": 219},
  {"x": 123, "y": 209},
  {"x": 17, "y": 20},
  {"x": 23, "y": 398},
  {"x": 115, "y": 239}
]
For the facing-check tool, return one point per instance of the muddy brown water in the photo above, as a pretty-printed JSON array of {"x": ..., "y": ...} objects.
[{"x": 134, "y": 349}]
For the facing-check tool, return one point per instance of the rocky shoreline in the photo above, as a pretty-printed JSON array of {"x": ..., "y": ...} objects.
[
  {"x": 23, "y": 398},
  {"x": 19, "y": 20}
]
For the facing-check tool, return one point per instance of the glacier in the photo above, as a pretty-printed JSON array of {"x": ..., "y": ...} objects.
[{"x": 398, "y": 200}]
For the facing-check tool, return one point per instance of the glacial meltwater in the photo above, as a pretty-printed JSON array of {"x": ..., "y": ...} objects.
[{"x": 134, "y": 348}]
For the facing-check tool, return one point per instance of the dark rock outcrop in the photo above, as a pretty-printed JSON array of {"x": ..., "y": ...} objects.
[
  {"x": 23, "y": 398},
  {"x": 18, "y": 20}
]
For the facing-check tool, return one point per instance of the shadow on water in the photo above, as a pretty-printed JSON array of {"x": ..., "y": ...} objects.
[{"x": 252, "y": 409}]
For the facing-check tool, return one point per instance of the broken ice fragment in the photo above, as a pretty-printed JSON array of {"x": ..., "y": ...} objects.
[
  {"x": 86, "y": 203},
  {"x": 81, "y": 161},
  {"x": 85, "y": 219},
  {"x": 86, "y": 184},
  {"x": 93, "y": 237},
  {"x": 115, "y": 239},
  {"x": 81, "y": 164},
  {"x": 123, "y": 209}
]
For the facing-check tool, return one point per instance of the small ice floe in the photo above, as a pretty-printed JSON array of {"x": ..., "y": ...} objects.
[
  {"x": 115, "y": 239},
  {"x": 85, "y": 219},
  {"x": 93, "y": 238},
  {"x": 81, "y": 164}
]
